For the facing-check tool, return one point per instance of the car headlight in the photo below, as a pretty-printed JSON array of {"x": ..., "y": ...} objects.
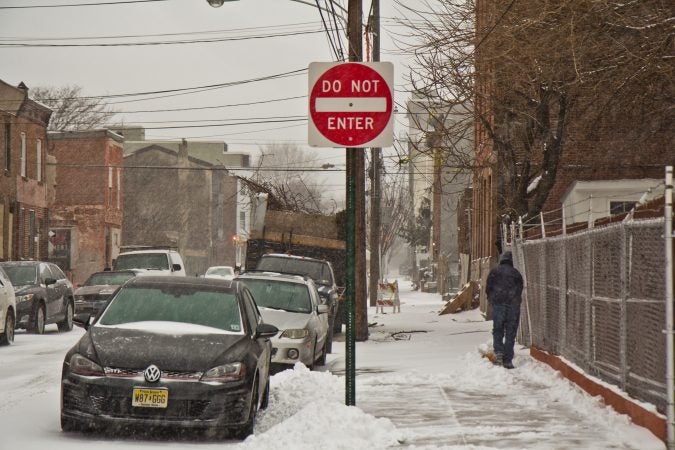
[
  {"x": 79, "y": 298},
  {"x": 295, "y": 333},
  {"x": 24, "y": 298},
  {"x": 85, "y": 366},
  {"x": 226, "y": 372}
]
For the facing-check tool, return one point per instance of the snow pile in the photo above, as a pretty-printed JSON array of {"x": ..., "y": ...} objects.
[{"x": 306, "y": 411}]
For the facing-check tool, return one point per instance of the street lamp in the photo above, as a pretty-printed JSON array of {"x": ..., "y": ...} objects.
[{"x": 219, "y": 3}]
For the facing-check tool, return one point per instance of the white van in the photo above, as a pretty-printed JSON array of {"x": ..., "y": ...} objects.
[{"x": 155, "y": 262}]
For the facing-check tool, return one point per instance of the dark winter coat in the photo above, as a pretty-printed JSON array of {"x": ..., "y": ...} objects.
[{"x": 504, "y": 283}]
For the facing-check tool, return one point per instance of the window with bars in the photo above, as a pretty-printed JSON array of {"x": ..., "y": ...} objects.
[
  {"x": 8, "y": 147},
  {"x": 38, "y": 156}
]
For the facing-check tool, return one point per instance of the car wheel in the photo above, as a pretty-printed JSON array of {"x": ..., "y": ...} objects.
[
  {"x": 265, "y": 400},
  {"x": 67, "y": 323},
  {"x": 322, "y": 358},
  {"x": 7, "y": 336},
  {"x": 247, "y": 430},
  {"x": 38, "y": 325},
  {"x": 337, "y": 321}
]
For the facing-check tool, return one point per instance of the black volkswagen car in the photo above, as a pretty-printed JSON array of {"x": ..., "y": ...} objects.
[{"x": 179, "y": 352}]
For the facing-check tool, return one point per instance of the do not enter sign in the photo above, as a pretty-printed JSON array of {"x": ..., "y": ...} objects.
[{"x": 351, "y": 104}]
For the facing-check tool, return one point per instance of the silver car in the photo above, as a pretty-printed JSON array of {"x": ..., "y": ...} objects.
[{"x": 292, "y": 304}]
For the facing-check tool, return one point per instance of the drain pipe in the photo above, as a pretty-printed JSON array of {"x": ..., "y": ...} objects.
[{"x": 670, "y": 364}]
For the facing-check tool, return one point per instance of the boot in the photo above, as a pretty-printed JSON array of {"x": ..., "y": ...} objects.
[
  {"x": 508, "y": 365},
  {"x": 499, "y": 359}
]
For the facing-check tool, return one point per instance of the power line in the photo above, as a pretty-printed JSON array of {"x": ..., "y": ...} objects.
[
  {"x": 153, "y": 43},
  {"x": 71, "y": 5}
]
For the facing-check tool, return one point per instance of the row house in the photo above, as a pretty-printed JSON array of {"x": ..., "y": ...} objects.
[
  {"x": 24, "y": 212},
  {"x": 181, "y": 194},
  {"x": 86, "y": 208}
]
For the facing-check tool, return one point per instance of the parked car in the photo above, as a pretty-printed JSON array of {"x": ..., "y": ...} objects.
[
  {"x": 292, "y": 304},
  {"x": 183, "y": 352},
  {"x": 222, "y": 272},
  {"x": 321, "y": 271},
  {"x": 43, "y": 295},
  {"x": 158, "y": 261},
  {"x": 7, "y": 309},
  {"x": 94, "y": 293}
]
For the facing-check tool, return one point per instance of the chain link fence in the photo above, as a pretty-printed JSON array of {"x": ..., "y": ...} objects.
[{"x": 597, "y": 298}]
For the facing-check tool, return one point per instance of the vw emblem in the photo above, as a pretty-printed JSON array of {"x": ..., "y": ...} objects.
[{"x": 152, "y": 373}]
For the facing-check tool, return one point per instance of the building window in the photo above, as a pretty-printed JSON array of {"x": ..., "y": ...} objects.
[
  {"x": 110, "y": 186},
  {"x": 31, "y": 234},
  {"x": 8, "y": 147},
  {"x": 620, "y": 207},
  {"x": 242, "y": 221},
  {"x": 119, "y": 186},
  {"x": 23, "y": 154},
  {"x": 38, "y": 155}
]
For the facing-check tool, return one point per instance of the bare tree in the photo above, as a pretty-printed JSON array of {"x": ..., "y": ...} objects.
[
  {"x": 72, "y": 110},
  {"x": 531, "y": 71},
  {"x": 288, "y": 172}
]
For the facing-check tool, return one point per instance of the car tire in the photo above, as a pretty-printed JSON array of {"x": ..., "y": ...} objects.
[
  {"x": 322, "y": 358},
  {"x": 7, "y": 335},
  {"x": 67, "y": 323},
  {"x": 338, "y": 320},
  {"x": 328, "y": 347},
  {"x": 37, "y": 325},
  {"x": 265, "y": 400},
  {"x": 247, "y": 429}
]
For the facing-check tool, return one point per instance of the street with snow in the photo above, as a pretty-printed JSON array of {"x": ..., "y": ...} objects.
[{"x": 421, "y": 384}]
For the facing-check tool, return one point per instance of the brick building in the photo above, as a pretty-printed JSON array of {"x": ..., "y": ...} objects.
[
  {"x": 24, "y": 211},
  {"x": 86, "y": 211}
]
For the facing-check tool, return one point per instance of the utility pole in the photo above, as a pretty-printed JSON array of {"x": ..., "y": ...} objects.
[{"x": 375, "y": 196}]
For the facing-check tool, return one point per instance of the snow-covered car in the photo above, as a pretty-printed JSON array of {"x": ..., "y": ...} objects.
[
  {"x": 292, "y": 304},
  {"x": 173, "y": 352},
  {"x": 95, "y": 292},
  {"x": 221, "y": 272},
  {"x": 7, "y": 309},
  {"x": 43, "y": 295},
  {"x": 319, "y": 270},
  {"x": 156, "y": 261}
]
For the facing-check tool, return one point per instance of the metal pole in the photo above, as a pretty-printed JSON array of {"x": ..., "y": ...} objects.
[
  {"x": 670, "y": 354},
  {"x": 352, "y": 155}
]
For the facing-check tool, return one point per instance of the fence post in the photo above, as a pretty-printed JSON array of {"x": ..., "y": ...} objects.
[
  {"x": 623, "y": 318},
  {"x": 670, "y": 364},
  {"x": 591, "y": 222},
  {"x": 562, "y": 294},
  {"x": 564, "y": 221}
]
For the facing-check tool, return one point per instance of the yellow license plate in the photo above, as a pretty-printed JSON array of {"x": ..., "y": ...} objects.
[{"x": 150, "y": 398}]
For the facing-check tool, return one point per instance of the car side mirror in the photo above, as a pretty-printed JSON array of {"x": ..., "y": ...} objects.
[
  {"x": 322, "y": 309},
  {"x": 82, "y": 320},
  {"x": 49, "y": 281},
  {"x": 265, "y": 330},
  {"x": 175, "y": 267}
]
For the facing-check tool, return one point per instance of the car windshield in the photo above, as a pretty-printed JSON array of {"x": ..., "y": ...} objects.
[
  {"x": 316, "y": 270},
  {"x": 292, "y": 297},
  {"x": 150, "y": 261},
  {"x": 108, "y": 278},
  {"x": 220, "y": 271},
  {"x": 21, "y": 275},
  {"x": 215, "y": 309}
]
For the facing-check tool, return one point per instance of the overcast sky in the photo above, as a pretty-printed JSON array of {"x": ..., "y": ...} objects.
[{"x": 113, "y": 70}]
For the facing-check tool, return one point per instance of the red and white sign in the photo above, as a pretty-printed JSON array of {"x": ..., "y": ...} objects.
[{"x": 351, "y": 104}]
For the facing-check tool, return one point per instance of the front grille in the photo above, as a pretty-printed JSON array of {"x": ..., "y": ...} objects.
[
  {"x": 166, "y": 374},
  {"x": 176, "y": 409}
]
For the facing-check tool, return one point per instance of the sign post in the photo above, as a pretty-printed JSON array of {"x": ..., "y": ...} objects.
[{"x": 351, "y": 105}]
